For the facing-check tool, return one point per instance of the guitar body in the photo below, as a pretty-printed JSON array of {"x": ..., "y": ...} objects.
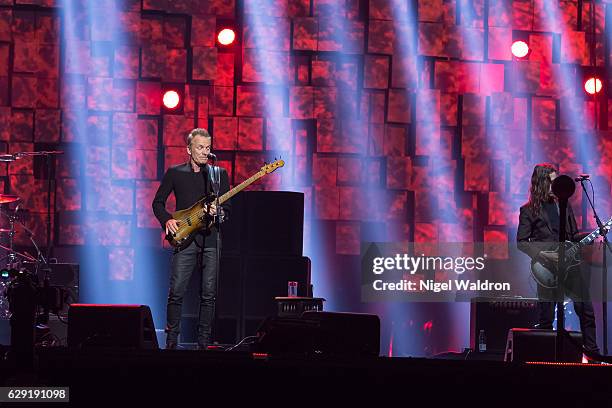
[
  {"x": 546, "y": 275},
  {"x": 191, "y": 220}
]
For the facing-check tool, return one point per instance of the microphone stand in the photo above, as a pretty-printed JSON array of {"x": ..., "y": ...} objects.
[
  {"x": 563, "y": 187},
  {"x": 216, "y": 184},
  {"x": 561, "y": 278},
  {"x": 604, "y": 233}
]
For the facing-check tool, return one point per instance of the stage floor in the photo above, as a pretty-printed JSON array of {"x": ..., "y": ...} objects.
[{"x": 120, "y": 377}]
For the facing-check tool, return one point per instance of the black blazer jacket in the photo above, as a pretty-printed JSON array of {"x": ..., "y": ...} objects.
[{"x": 534, "y": 233}]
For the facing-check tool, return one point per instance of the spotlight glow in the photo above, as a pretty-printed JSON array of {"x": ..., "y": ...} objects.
[
  {"x": 520, "y": 49},
  {"x": 171, "y": 99},
  {"x": 226, "y": 36},
  {"x": 592, "y": 86}
]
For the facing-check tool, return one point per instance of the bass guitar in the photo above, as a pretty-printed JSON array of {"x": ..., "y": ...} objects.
[{"x": 196, "y": 218}]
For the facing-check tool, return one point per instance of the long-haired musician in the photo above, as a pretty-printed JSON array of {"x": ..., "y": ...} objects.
[{"x": 538, "y": 237}]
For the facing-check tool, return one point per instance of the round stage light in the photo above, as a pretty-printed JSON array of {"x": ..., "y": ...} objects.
[
  {"x": 592, "y": 86},
  {"x": 520, "y": 49},
  {"x": 226, "y": 36},
  {"x": 171, "y": 99}
]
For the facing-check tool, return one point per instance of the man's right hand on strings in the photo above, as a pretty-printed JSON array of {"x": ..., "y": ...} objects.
[
  {"x": 172, "y": 226},
  {"x": 550, "y": 257}
]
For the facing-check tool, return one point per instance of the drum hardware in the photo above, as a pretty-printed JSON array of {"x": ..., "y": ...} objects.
[
  {"x": 14, "y": 274},
  {"x": 8, "y": 198}
]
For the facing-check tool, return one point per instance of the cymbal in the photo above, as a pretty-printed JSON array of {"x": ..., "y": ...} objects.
[{"x": 8, "y": 198}]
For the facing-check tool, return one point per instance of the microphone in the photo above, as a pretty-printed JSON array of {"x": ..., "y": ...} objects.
[
  {"x": 211, "y": 156},
  {"x": 582, "y": 177}
]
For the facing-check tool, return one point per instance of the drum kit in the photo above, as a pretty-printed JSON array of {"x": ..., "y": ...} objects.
[{"x": 13, "y": 261}]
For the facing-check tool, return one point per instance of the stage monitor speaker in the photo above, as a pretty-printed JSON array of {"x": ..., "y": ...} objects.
[
  {"x": 495, "y": 316},
  {"x": 539, "y": 345},
  {"x": 321, "y": 333},
  {"x": 111, "y": 326}
]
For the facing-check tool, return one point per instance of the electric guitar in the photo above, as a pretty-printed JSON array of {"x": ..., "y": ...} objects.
[
  {"x": 196, "y": 218},
  {"x": 546, "y": 273}
]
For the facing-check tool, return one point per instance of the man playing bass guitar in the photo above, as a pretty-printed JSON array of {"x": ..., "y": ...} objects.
[{"x": 190, "y": 182}]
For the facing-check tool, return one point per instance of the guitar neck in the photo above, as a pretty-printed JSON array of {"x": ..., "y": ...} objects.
[
  {"x": 241, "y": 186},
  {"x": 583, "y": 242},
  {"x": 589, "y": 238}
]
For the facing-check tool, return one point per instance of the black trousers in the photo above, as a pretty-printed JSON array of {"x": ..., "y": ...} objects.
[
  {"x": 584, "y": 310},
  {"x": 202, "y": 260}
]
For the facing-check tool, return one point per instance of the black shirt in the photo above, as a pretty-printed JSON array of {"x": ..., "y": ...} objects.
[{"x": 188, "y": 187}]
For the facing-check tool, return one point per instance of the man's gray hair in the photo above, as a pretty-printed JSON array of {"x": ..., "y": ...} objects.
[{"x": 197, "y": 132}]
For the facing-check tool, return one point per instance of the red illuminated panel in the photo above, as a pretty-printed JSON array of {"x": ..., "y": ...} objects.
[
  {"x": 325, "y": 102},
  {"x": 176, "y": 129},
  {"x": 354, "y": 204},
  {"x": 326, "y": 203},
  {"x": 380, "y": 37},
  {"x": 47, "y": 127},
  {"x": 204, "y": 65},
  {"x": 225, "y": 69},
  {"x": 399, "y": 172},
  {"x": 250, "y": 134},
  {"x": 305, "y": 31},
  {"x": 222, "y": 101},
  {"x": 399, "y": 106},
  {"x": 24, "y": 91},
  {"x": 395, "y": 140},
  {"x": 301, "y": 102},
  {"x": 348, "y": 238},
  {"x": 477, "y": 174}
]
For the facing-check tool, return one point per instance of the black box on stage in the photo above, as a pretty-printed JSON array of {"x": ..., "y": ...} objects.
[
  {"x": 265, "y": 223},
  {"x": 111, "y": 326},
  {"x": 539, "y": 345},
  {"x": 321, "y": 333},
  {"x": 266, "y": 278},
  {"x": 495, "y": 316}
]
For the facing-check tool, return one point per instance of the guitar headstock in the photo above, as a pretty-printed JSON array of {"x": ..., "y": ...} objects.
[{"x": 269, "y": 168}]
